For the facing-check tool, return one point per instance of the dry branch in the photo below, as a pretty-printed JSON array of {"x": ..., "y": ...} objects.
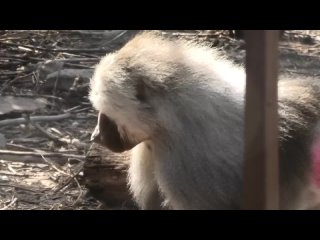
[
  {"x": 69, "y": 50},
  {"x": 70, "y": 179},
  {"x": 14, "y": 199},
  {"x": 49, "y": 135},
  {"x": 12, "y": 146},
  {"x": 36, "y": 157},
  {"x": 40, "y": 153},
  {"x": 18, "y": 187},
  {"x": 34, "y": 119}
]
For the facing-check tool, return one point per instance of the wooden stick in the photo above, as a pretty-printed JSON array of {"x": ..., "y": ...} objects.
[
  {"x": 70, "y": 50},
  {"x": 40, "y": 153},
  {"x": 10, "y": 204},
  {"x": 16, "y": 121},
  {"x": 48, "y": 135}
]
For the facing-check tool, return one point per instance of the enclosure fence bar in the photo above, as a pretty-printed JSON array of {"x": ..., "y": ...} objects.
[{"x": 261, "y": 170}]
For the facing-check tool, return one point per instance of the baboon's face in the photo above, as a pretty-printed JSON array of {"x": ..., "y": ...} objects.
[{"x": 126, "y": 116}]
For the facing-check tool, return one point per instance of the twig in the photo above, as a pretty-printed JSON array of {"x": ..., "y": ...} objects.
[
  {"x": 13, "y": 146},
  {"x": 72, "y": 109},
  {"x": 77, "y": 60},
  {"x": 56, "y": 131},
  {"x": 80, "y": 55},
  {"x": 70, "y": 179},
  {"x": 75, "y": 142},
  {"x": 49, "y": 135},
  {"x": 13, "y": 58},
  {"x": 36, "y": 96},
  {"x": 10, "y": 204},
  {"x": 80, "y": 192},
  {"x": 54, "y": 166},
  {"x": 62, "y": 141},
  {"x": 18, "y": 187},
  {"x": 82, "y": 110},
  {"x": 70, "y": 50},
  {"x": 34, "y": 119},
  {"x": 40, "y": 153},
  {"x": 29, "y": 140},
  {"x": 9, "y": 73},
  {"x": 56, "y": 83},
  {"x": 33, "y": 159},
  {"x": 11, "y": 169},
  {"x": 10, "y": 82},
  {"x": 14, "y": 174},
  {"x": 78, "y": 65},
  {"x": 88, "y": 116},
  {"x": 77, "y": 110},
  {"x": 117, "y": 36}
]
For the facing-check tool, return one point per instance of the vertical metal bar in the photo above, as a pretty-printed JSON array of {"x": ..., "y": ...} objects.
[{"x": 261, "y": 171}]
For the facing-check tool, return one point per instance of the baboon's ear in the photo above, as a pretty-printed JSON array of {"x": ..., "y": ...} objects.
[{"x": 106, "y": 134}]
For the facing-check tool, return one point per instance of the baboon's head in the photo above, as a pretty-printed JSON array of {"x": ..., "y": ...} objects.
[{"x": 129, "y": 89}]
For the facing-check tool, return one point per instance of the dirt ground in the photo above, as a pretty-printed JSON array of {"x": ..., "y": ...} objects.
[{"x": 41, "y": 162}]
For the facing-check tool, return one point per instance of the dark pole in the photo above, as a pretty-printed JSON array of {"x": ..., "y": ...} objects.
[{"x": 261, "y": 171}]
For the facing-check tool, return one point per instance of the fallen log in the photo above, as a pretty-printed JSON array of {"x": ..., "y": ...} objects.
[{"x": 105, "y": 175}]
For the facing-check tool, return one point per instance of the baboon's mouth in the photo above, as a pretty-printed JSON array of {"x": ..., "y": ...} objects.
[{"x": 106, "y": 134}]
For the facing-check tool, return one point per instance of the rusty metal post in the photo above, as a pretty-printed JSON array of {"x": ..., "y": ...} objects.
[{"x": 261, "y": 171}]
